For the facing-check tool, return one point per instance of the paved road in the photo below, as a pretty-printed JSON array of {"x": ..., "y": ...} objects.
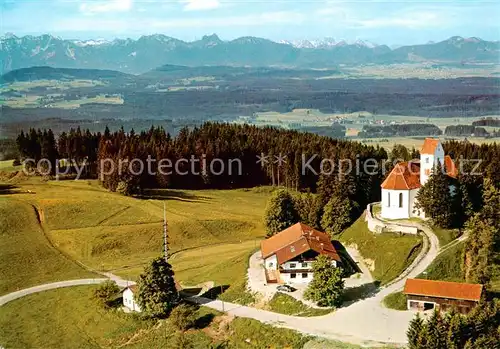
[
  {"x": 365, "y": 322},
  {"x": 45, "y": 287}
]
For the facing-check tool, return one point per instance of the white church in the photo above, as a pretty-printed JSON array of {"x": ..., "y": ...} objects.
[{"x": 403, "y": 183}]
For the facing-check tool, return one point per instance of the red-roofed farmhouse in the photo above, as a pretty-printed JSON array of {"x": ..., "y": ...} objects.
[{"x": 288, "y": 255}]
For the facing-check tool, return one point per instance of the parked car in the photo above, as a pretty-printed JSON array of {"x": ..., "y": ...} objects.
[{"x": 285, "y": 288}]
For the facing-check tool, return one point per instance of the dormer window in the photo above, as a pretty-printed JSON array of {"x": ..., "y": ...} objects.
[{"x": 292, "y": 248}]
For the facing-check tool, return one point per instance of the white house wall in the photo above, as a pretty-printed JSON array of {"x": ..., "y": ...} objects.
[
  {"x": 299, "y": 279},
  {"x": 413, "y": 211},
  {"x": 271, "y": 263},
  {"x": 390, "y": 209},
  {"x": 129, "y": 302}
]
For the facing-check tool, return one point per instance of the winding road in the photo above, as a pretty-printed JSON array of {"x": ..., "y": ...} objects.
[{"x": 365, "y": 322}]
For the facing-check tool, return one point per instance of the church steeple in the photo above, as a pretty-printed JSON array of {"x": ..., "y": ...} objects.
[{"x": 432, "y": 151}]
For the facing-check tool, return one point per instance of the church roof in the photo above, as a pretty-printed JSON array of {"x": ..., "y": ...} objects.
[
  {"x": 429, "y": 146},
  {"x": 451, "y": 168},
  {"x": 404, "y": 176}
]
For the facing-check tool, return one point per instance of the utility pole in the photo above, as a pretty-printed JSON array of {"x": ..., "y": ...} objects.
[{"x": 165, "y": 230}]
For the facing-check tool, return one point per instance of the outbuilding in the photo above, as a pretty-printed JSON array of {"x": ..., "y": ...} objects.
[
  {"x": 424, "y": 295},
  {"x": 128, "y": 298}
]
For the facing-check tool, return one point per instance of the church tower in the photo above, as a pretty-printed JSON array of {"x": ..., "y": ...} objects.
[{"x": 432, "y": 151}]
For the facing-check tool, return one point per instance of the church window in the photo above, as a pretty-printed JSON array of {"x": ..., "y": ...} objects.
[
  {"x": 388, "y": 199},
  {"x": 400, "y": 199}
]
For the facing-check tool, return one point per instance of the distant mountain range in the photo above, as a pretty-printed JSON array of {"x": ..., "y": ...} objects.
[{"x": 149, "y": 52}]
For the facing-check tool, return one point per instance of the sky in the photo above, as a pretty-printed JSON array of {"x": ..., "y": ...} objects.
[{"x": 382, "y": 22}]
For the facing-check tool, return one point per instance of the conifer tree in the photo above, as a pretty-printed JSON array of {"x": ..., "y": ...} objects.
[
  {"x": 280, "y": 212},
  {"x": 338, "y": 215},
  {"x": 327, "y": 285},
  {"x": 157, "y": 294},
  {"x": 414, "y": 332},
  {"x": 435, "y": 198}
]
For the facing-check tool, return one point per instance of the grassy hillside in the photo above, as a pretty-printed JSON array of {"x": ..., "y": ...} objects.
[
  {"x": 388, "y": 253},
  {"x": 211, "y": 232},
  {"x": 447, "y": 266},
  {"x": 69, "y": 318},
  {"x": 26, "y": 256}
]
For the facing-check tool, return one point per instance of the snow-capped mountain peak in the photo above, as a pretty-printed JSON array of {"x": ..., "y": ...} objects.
[{"x": 91, "y": 42}]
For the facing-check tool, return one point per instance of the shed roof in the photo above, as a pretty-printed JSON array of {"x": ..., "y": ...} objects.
[
  {"x": 443, "y": 289},
  {"x": 295, "y": 240}
]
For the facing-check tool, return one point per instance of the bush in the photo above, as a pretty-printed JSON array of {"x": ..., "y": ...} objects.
[
  {"x": 183, "y": 317},
  {"x": 106, "y": 293}
]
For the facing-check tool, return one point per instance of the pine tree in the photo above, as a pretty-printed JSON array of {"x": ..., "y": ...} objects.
[
  {"x": 280, "y": 212},
  {"x": 455, "y": 336},
  {"x": 327, "y": 285},
  {"x": 338, "y": 214},
  {"x": 435, "y": 198},
  {"x": 157, "y": 294},
  {"x": 414, "y": 332}
]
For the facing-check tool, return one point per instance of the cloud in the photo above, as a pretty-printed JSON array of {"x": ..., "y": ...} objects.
[
  {"x": 410, "y": 20},
  {"x": 92, "y": 7},
  {"x": 198, "y": 5},
  {"x": 154, "y": 24}
]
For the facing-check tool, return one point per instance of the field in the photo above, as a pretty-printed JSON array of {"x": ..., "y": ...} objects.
[
  {"x": 72, "y": 319},
  {"x": 447, "y": 266},
  {"x": 35, "y": 101},
  {"x": 387, "y": 255},
  {"x": 6, "y": 166},
  {"x": 211, "y": 233},
  {"x": 26, "y": 257},
  {"x": 50, "y": 84},
  {"x": 285, "y": 304},
  {"x": 395, "y": 301}
]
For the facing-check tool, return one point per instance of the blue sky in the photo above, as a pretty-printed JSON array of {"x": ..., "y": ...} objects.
[{"x": 388, "y": 22}]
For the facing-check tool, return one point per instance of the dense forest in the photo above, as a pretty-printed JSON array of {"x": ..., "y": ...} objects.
[
  {"x": 487, "y": 122},
  {"x": 466, "y": 130},
  {"x": 399, "y": 130}
]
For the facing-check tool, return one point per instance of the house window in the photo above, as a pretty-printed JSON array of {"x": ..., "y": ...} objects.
[
  {"x": 293, "y": 265},
  {"x": 304, "y": 275},
  {"x": 400, "y": 199},
  {"x": 293, "y": 276},
  {"x": 388, "y": 199},
  {"x": 427, "y": 160},
  {"x": 270, "y": 265},
  {"x": 304, "y": 265}
]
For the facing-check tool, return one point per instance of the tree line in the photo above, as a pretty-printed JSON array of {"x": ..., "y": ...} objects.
[{"x": 400, "y": 130}]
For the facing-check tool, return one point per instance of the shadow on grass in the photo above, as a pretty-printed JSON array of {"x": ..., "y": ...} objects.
[
  {"x": 168, "y": 194},
  {"x": 354, "y": 294},
  {"x": 349, "y": 265},
  {"x": 189, "y": 292},
  {"x": 215, "y": 292},
  {"x": 204, "y": 321},
  {"x": 8, "y": 189}
]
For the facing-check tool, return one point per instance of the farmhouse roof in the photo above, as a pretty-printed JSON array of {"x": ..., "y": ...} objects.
[
  {"x": 443, "y": 289},
  {"x": 295, "y": 240},
  {"x": 429, "y": 146},
  {"x": 132, "y": 288},
  {"x": 404, "y": 176}
]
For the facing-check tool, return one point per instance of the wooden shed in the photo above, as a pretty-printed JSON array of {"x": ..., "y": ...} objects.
[{"x": 443, "y": 295}]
